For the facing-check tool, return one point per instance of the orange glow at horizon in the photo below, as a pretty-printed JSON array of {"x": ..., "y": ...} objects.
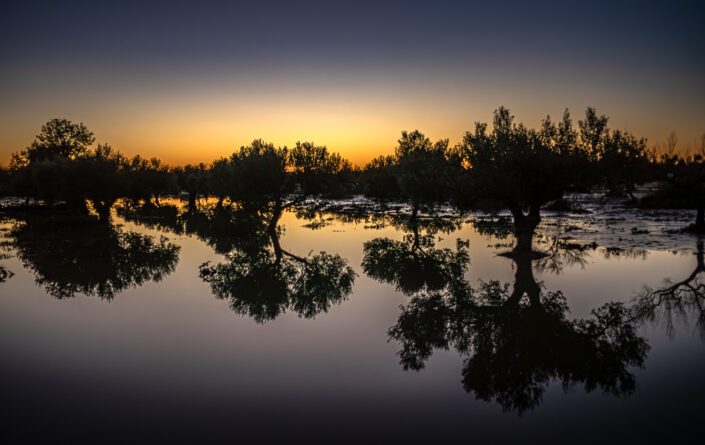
[
  {"x": 191, "y": 84},
  {"x": 360, "y": 125}
]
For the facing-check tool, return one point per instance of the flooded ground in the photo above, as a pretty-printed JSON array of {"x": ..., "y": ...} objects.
[{"x": 347, "y": 328}]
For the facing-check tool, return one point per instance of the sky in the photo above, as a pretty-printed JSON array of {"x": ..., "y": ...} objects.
[{"x": 193, "y": 81}]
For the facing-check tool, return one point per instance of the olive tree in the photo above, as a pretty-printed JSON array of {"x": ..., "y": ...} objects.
[{"x": 518, "y": 168}]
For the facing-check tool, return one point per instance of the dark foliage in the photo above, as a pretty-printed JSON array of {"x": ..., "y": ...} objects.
[
  {"x": 72, "y": 255},
  {"x": 684, "y": 179},
  {"x": 259, "y": 278},
  {"x": 414, "y": 264},
  {"x": 515, "y": 340}
]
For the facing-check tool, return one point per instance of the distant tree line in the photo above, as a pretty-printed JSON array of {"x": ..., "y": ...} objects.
[{"x": 505, "y": 166}]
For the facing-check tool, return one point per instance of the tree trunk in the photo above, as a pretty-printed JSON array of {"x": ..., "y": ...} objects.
[
  {"x": 104, "y": 214},
  {"x": 524, "y": 282},
  {"x": 700, "y": 219},
  {"x": 414, "y": 210},
  {"x": 103, "y": 209},
  {"x": 525, "y": 236},
  {"x": 415, "y": 230},
  {"x": 272, "y": 229},
  {"x": 524, "y": 227},
  {"x": 78, "y": 204}
]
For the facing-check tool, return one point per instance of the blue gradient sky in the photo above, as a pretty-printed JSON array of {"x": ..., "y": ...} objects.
[{"x": 192, "y": 81}]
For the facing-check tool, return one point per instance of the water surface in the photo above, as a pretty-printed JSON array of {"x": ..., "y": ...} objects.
[{"x": 129, "y": 332}]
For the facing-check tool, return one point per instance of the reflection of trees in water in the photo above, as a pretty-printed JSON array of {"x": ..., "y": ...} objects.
[
  {"x": 625, "y": 252},
  {"x": 515, "y": 340},
  {"x": 558, "y": 253},
  {"x": 222, "y": 228},
  {"x": 415, "y": 264},
  {"x": 499, "y": 227},
  {"x": 5, "y": 273},
  {"x": 70, "y": 255},
  {"x": 263, "y": 280},
  {"x": 683, "y": 299},
  {"x": 266, "y": 283},
  {"x": 259, "y": 278}
]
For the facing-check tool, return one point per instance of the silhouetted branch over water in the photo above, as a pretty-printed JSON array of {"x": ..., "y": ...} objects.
[{"x": 684, "y": 298}]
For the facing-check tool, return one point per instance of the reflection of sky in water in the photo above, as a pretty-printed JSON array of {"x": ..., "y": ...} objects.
[{"x": 173, "y": 348}]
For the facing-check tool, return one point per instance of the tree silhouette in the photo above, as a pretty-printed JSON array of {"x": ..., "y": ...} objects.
[
  {"x": 5, "y": 182},
  {"x": 498, "y": 227},
  {"x": 147, "y": 179},
  {"x": 420, "y": 172},
  {"x": 259, "y": 176},
  {"x": 58, "y": 138},
  {"x": 623, "y": 163},
  {"x": 516, "y": 340},
  {"x": 219, "y": 179},
  {"x": 259, "y": 278},
  {"x": 378, "y": 179},
  {"x": 223, "y": 228},
  {"x": 40, "y": 170},
  {"x": 415, "y": 264},
  {"x": 560, "y": 252},
  {"x": 193, "y": 179},
  {"x": 676, "y": 299},
  {"x": 317, "y": 171},
  {"x": 685, "y": 176},
  {"x": 5, "y": 273},
  {"x": 618, "y": 159},
  {"x": 518, "y": 168},
  {"x": 70, "y": 255},
  {"x": 98, "y": 177},
  {"x": 262, "y": 280},
  {"x": 423, "y": 170},
  {"x": 165, "y": 217},
  {"x": 59, "y": 166},
  {"x": 264, "y": 284}
]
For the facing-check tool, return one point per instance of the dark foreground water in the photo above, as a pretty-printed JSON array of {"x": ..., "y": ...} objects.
[{"x": 117, "y": 334}]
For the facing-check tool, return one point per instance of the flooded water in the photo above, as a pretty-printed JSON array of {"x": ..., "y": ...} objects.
[{"x": 364, "y": 330}]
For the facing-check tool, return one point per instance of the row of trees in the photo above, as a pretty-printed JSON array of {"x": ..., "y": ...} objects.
[
  {"x": 521, "y": 169},
  {"x": 60, "y": 166},
  {"x": 508, "y": 166}
]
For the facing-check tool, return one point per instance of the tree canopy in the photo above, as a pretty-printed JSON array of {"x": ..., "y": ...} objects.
[{"x": 58, "y": 138}]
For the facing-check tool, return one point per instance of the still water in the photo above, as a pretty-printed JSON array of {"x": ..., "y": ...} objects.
[{"x": 348, "y": 329}]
